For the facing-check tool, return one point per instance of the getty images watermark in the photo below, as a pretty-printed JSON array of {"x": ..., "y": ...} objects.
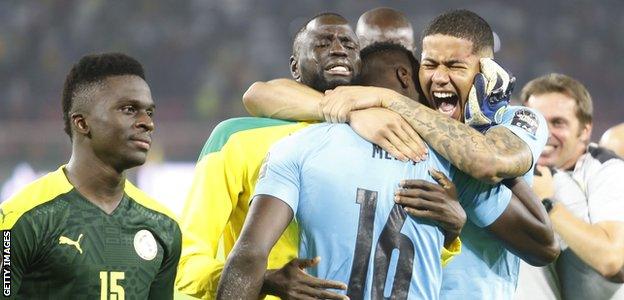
[{"x": 6, "y": 263}]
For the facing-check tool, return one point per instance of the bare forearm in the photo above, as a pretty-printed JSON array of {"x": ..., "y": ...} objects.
[
  {"x": 540, "y": 222},
  {"x": 533, "y": 238},
  {"x": 244, "y": 270},
  {"x": 242, "y": 277},
  {"x": 283, "y": 99},
  {"x": 489, "y": 158},
  {"x": 590, "y": 242}
]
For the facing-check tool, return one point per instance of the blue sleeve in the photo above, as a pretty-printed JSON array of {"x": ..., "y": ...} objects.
[
  {"x": 279, "y": 174},
  {"x": 483, "y": 202},
  {"x": 529, "y": 125}
]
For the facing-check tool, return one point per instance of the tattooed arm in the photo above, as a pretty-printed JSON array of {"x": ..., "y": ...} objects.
[{"x": 491, "y": 157}]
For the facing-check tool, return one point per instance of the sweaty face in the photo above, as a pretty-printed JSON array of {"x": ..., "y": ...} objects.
[
  {"x": 568, "y": 137},
  {"x": 447, "y": 70},
  {"x": 120, "y": 121},
  {"x": 329, "y": 56}
]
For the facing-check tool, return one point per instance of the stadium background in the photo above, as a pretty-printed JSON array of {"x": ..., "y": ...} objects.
[{"x": 200, "y": 56}]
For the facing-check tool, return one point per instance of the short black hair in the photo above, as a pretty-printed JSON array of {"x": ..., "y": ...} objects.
[
  {"x": 92, "y": 69},
  {"x": 303, "y": 28},
  {"x": 464, "y": 24},
  {"x": 388, "y": 47},
  {"x": 380, "y": 48}
]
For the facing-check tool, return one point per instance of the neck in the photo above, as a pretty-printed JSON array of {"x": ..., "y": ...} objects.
[
  {"x": 98, "y": 182},
  {"x": 569, "y": 165}
]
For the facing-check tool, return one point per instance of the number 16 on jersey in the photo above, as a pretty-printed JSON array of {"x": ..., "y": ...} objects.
[{"x": 391, "y": 240}]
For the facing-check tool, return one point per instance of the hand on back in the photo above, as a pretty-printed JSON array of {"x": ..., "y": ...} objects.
[
  {"x": 438, "y": 202},
  {"x": 292, "y": 282}
]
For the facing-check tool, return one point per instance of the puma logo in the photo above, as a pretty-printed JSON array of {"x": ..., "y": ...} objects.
[
  {"x": 67, "y": 241},
  {"x": 4, "y": 215}
]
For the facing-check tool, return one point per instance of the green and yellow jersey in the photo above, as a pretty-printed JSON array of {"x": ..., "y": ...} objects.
[
  {"x": 62, "y": 246},
  {"x": 215, "y": 210}
]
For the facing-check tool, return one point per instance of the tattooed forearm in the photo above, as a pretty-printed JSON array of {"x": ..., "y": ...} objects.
[
  {"x": 498, "y": 154},
  {"x": 511, "y": 147}
]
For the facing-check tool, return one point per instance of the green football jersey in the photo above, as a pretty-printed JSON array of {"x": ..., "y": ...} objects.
[{"x": 61, "y": 246}]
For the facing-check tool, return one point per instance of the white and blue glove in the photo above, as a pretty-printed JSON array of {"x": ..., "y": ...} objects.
[{"x": 489, "y": 96}]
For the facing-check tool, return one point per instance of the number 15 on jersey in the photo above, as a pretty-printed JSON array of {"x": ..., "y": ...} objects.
[{"x": 111, "y": 288}]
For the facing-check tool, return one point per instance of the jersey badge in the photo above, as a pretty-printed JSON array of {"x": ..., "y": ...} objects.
[
  {"x": 145, "y": 244},
  {"x": 526, "y": 120},
  {"x": 63, "y": 240}
]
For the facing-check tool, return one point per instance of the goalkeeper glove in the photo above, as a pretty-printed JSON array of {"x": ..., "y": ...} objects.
[{"x": 489, "y": 96}]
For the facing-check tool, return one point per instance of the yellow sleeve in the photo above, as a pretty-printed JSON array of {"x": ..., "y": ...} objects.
[
  {"x": 447, "y": 254},
  {"x": 213, "y": 196},
  {"x": 218, "y": 202}
]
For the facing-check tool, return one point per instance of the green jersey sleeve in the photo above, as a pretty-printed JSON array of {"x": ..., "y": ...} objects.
[{"x": 163, "y": 285}]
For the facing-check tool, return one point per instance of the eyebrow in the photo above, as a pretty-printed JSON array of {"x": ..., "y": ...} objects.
[
  {"x": 340, "y": 36},
  {"x": 446, "y": 62},
  {"x": 137, "y": 102},
  {"x": 454, "y": 61}
]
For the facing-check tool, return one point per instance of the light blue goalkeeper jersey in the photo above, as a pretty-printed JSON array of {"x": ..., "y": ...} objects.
[
  {"x": 341, "y": 189},
  {"x": 486, "y": 269}
]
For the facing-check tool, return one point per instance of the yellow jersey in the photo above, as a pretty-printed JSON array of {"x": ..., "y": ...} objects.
[{"x": 215, "y": 209}]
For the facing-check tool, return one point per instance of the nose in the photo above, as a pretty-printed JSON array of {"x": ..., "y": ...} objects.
[
  {"x": 145, "y": 121},
  {"x": 337, "y": 48},
  {"x": 440, "y": 77}
]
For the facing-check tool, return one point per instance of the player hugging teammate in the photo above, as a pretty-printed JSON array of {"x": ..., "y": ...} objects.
[{"x": 320, "y": 195}]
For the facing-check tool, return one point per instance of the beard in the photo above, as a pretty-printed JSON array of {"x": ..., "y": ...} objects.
[{"x": 318, "y": 82}]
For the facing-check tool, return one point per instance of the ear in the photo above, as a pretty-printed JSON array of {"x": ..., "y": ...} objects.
[
  {"x": 79, "y": 123},
  {"x": 294, "y": 69},
  {"x": 585, "y": 133},
  {"x": 404, "y": 77}
]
